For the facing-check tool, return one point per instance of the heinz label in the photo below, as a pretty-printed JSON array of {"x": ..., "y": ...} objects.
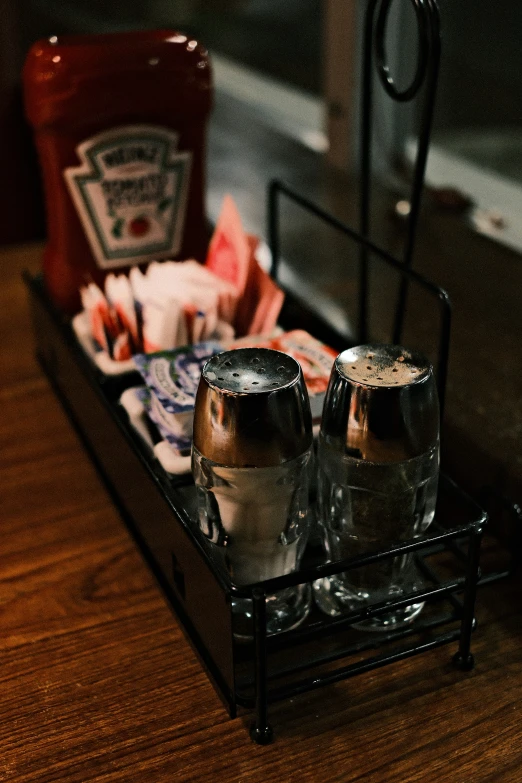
[{"x": 130, "y": 192}]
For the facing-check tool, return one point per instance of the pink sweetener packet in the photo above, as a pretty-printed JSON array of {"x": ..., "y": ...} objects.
[
  {"x": 261, "y": 303},
  {"x": 228, "y": 254}
]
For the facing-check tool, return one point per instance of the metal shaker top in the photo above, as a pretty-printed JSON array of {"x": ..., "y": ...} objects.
[
  {"x": 252, "y": 409},
  {"x": 381, "y": 404}
]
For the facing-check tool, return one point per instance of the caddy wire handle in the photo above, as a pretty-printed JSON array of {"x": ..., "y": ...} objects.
[{"x": 425, "y": 76}]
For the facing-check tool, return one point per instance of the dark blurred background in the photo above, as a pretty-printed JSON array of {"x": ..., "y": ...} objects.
[{"x": 287, "y": 42}]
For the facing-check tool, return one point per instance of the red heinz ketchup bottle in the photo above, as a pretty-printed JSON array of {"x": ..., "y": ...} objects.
[{"x": 120, "y": 125}]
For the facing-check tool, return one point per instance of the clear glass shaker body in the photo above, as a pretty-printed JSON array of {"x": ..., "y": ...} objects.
[{"x": 258, "y": 520}]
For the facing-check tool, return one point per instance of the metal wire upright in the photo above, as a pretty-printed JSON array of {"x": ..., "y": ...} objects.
[{"x": 425, "y": 77}]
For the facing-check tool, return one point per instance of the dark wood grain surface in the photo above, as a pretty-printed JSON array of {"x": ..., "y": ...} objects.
[{"x": 98, "y": 682}]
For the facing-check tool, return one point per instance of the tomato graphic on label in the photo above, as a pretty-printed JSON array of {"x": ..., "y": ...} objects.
[{"x": 139, "y": 226}]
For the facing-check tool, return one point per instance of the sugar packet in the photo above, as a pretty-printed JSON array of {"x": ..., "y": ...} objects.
[{"x": 261, "y": 303}]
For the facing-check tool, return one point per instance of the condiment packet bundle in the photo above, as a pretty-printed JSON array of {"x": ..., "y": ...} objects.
[
  {"x": 172, "y": 378},
  {"x": 179, "y": 444},
  {"x": 182, "y": 303}
]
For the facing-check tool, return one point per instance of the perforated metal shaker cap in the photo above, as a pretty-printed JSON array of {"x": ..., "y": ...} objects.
[
  {"x": 381, "y": 404},
  {"x": 252, "y": 409}
]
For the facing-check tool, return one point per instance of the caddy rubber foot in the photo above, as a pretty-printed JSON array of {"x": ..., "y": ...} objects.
[
  {"x": 263, "y": 736},
  {"x": 465, "y": 664}
]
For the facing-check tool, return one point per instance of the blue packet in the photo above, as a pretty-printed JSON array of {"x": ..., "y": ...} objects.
[{"x": 172, "y": 378}]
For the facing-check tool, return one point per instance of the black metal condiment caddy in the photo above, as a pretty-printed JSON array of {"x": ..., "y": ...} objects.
[
  {"x": 160, "y": 512},
  {"x": 159, "y": 509}
]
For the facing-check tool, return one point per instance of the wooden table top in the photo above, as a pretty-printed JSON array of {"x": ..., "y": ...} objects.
[{"x": 99, "y": 684}]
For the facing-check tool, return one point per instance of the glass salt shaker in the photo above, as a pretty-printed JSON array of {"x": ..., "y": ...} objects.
[
  {"x": 252, "y": 447},
  {"x": 378, "y": 465}
]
